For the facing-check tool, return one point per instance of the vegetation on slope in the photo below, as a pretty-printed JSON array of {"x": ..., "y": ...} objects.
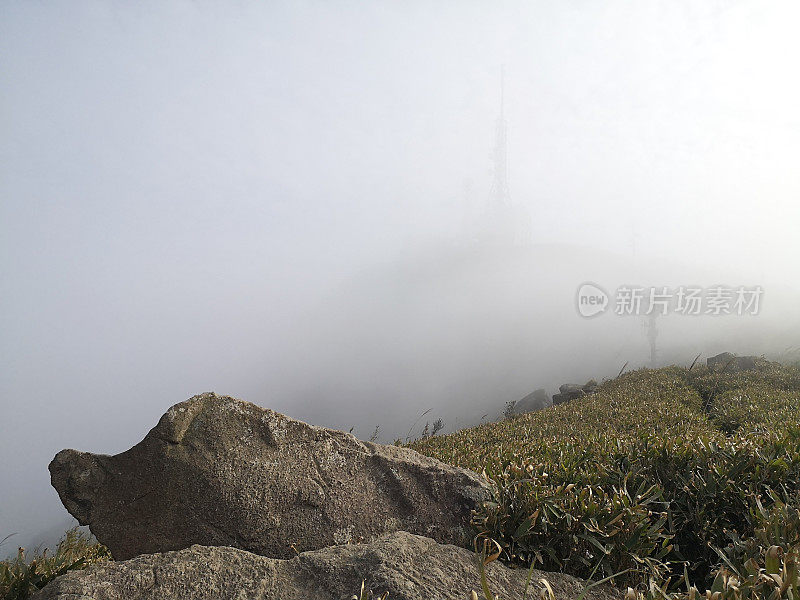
[
  {"x": 24, "y": 574},
  {"x": 669, "y": 480},
  {"x": 670, "y": 476}
]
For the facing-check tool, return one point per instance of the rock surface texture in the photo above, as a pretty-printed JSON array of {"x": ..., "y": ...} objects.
[
  {"x": 408, "y": 567},
  {"x": 536, "y": 400},
  {"x": 571, "y": 391},
  {"x": 218, "y": 471},
  {"x": 731, "y": 362}
]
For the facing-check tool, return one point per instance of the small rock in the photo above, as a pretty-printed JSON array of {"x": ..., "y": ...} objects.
[
  {"x": 731, "y": 362},
  {"x": 536, "y": 400},
  {"x": 568, "y": 392},
  {"x": 571, "y": 391}
]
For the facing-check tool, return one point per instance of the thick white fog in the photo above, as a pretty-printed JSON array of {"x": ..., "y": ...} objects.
[{"x": 292, "y": 203}]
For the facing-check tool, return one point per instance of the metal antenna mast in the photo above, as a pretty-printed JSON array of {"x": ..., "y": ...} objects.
[
  {"x": 500, "y": 182},
  {"x": 651, "y": 331}
]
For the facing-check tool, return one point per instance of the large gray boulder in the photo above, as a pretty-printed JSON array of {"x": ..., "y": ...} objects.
[
  {"x": 408, "y": 567},
  {"x": 218, "y": 471}
]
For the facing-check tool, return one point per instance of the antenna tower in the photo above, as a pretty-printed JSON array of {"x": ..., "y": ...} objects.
[{"x": 500, "y": 193}]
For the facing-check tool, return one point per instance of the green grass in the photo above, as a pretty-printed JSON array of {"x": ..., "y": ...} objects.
[
  {"x": 24, "y": 574},
  {"x": 663, "y": 475}
]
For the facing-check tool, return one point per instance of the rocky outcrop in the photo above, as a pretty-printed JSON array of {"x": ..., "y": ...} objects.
[
  {"x": 408, "y": 567},
  {"x": 731, "y": 362},
  {"x": 536, "y": 400},
  {"x": 571, "y": 391},
  {"x": 218, "y": 471}
]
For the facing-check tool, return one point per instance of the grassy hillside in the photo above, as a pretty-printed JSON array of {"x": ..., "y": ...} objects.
[
  {"x": 663, "y": 475},
  {"x": 670, "y": 480}
]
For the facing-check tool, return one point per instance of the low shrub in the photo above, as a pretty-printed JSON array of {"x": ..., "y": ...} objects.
[{"x": 22, "y": 575}]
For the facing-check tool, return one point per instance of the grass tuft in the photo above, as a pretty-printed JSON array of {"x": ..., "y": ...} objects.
[{"x": 25, "y": 573}]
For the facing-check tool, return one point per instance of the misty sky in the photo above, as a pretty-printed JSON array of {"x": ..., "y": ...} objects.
[{"x": 273, "y": 200}]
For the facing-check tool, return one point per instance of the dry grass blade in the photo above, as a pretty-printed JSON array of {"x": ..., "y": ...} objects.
[{"x": 547, "y": 591}]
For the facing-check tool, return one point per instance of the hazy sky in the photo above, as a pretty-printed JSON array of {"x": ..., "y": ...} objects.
[{"x": 262, "y": 199}]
